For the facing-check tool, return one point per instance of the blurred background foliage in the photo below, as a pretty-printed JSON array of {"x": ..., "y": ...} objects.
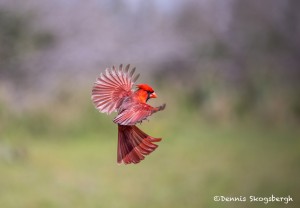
[{"x": 229, "y": 72}]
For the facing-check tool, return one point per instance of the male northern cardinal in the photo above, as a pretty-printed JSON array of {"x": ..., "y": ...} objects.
[{"x": 112, "y": 91}]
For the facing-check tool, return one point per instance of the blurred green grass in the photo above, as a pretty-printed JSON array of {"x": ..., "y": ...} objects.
[
  {"x": 65, "y": 156},
  {"x": 57, "y": 158}
]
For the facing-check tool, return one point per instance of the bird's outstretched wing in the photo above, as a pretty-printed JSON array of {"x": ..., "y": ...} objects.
[
  {"x": 112, "y": 87},
  {"x": 136, "y": 113}
]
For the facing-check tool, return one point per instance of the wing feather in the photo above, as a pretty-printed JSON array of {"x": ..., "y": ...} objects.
[
  {"x": 136, "y": 77},
  {"x": 111, "y": 87},
  {"x": 135, "y": 114}
]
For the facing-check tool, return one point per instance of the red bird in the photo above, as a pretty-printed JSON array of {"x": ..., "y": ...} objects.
[{"x": 112, "y": 91}]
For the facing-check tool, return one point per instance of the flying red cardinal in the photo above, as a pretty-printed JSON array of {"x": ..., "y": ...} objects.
[{"x": 112, "y": 91}]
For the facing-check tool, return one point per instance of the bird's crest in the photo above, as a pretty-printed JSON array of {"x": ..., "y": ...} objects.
[{"x": 145, "y": 87}]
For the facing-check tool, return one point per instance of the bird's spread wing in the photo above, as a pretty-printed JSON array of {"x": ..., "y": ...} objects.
[
  {"x": 136, "y": 113},
  {"x": 112, "y": 87}
]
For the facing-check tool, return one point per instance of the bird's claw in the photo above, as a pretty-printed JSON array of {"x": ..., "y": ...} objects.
[{"x": 162, "y": 107}]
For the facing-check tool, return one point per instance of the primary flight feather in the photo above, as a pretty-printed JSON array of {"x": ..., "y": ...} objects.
[{"x": 113, "y": 91}]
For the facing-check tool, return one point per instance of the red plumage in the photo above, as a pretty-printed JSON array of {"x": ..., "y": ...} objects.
[{"x": 112, "y": 91}]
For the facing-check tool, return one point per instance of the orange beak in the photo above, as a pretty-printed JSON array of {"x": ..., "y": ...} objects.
[{"x": 153, "y": 95}]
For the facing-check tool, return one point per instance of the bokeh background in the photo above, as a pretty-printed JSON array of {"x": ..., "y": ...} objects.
[{"x": 229, "y": 71}]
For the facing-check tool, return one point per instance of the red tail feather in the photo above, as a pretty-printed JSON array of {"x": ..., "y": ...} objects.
[{"x": 134, "y": 144}]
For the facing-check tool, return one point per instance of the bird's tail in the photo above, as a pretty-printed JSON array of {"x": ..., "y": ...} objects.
[{"x": 134, "y": 144}]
